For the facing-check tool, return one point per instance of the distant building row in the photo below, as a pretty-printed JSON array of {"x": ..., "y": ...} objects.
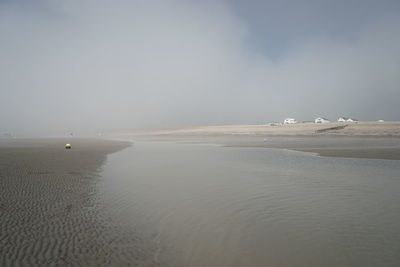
[
  {"x": 320, "y": 120},
  {"x": 344, "y": 119}
]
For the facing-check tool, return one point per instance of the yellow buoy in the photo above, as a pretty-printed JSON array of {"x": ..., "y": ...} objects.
[{"x": 68, "y": 146}]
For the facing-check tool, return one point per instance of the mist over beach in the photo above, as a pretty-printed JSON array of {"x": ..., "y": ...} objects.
[
  {"x": 88, "y": 66},
  {"x": 199, "y": 133}
]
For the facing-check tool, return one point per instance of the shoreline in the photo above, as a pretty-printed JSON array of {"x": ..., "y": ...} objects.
[
  {"x": 358, "y": 129},
  {"x": 368, "y": 147},
  {"x": 360, "y": 153},
  {"x": 374, "y": 140}
]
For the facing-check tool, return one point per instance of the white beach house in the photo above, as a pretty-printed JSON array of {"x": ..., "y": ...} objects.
[
  {"x": 344, "y": 119},
  {"x": 321, "y": 120},
  {"x": 289, "y": 121}
]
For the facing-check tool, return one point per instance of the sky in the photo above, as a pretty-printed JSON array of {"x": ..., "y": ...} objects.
[{"x": 86, "y": 65}]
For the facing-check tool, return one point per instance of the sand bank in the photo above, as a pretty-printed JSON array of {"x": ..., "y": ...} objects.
[
  {"x": 48, "y": 213},
  {"x": 329, "y": 146},
  {"x": 373, "y": 147},
  {"x": 376, "y": 140},
  {"x": 299, "y": 129}
]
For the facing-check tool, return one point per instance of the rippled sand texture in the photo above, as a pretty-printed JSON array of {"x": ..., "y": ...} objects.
[{"x": 48, "y": 211}]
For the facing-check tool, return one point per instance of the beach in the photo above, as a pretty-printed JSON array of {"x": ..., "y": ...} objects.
[
  {"x": 375, "y": 140},
  {"x": 48, "y": 207},
  {"x": 199, "y": 201},
  {"x": 368, "y": 128},
  {"x": 219, "y": 133}
]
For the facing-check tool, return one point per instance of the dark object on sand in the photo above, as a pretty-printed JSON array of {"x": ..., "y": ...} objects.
[
  {"x": 331, "y": 129},
  {"x": 68, "y": 146}
]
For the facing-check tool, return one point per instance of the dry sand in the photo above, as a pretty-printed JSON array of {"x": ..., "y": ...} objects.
[
  {"x": 48, "y": 209},
  {"x": 299, "y": 129},
  {"x": 376, "y": 140}
]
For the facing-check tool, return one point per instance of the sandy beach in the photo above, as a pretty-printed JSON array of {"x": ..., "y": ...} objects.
[
  {"x": 298, "y": 129},
  {"x": 174, "y": 204},
  {"x": 48, "y": 213},
  {"x": 375, "y": 140}
]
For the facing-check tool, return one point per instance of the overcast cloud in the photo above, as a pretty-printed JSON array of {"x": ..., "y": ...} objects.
[{"x": 102, "y": 65}]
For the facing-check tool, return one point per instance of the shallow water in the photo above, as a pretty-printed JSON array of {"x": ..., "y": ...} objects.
[{"x": 206, "y": 205}]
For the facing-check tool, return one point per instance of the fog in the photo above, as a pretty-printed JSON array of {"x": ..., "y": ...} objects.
[{"x": 111, "y": 65}]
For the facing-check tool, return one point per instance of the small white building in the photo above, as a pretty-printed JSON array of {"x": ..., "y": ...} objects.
[
  {"x": 321, "y": 120},
  {"x": 344, "y": 119},
  {"x": 289, "y": 121}
]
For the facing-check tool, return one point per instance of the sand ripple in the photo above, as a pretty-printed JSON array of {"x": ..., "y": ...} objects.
[{"x": 49, "y": 214}]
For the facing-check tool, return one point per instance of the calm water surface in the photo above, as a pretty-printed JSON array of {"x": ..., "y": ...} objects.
[{"x": 205, "y": 205}]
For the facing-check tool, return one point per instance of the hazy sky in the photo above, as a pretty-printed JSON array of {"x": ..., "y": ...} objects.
[{"x": 71, "y": 65}]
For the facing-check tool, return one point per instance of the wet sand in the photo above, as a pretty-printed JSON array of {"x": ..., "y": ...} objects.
[
  {"x": 48, "y": 209},
  {"x": 176, "y": 205},
  {"x": 371, "y": 147},
  {"x": 368, "y": 153},
  {"x": 330, "y": 146}
]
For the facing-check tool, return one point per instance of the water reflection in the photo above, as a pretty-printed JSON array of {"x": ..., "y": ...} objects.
[{"x": 205, "y": 205}]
